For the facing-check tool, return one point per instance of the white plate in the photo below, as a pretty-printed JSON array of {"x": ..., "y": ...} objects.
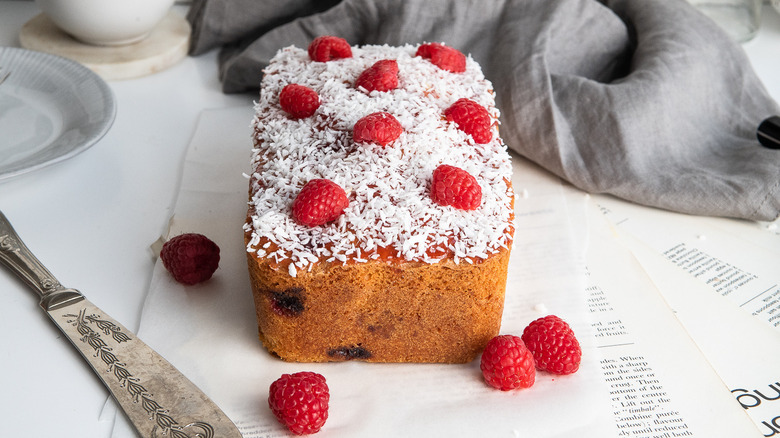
[{"x": 51, "y": 109}]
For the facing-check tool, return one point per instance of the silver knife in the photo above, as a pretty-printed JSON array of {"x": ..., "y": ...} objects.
[{"x": 157, "y": 399}]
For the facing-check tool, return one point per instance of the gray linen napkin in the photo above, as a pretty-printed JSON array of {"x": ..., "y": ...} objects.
[{"x": 647, "y": 100}]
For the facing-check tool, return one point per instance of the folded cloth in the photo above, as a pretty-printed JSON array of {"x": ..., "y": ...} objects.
[{"x": 647, "y": 100}]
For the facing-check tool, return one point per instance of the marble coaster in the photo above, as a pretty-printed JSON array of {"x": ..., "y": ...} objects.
[{"x": 166, "y": 45}]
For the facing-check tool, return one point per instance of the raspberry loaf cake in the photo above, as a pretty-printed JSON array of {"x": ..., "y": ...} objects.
[{"x": 381, "y": 209}]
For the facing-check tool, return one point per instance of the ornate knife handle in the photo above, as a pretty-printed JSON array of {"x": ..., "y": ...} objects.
[{"x": 17, "y": 257}]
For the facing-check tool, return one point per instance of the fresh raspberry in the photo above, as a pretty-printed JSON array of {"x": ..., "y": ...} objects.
[
  {"x": 446, "y": 58},
  {"x": 191, "y": 258},
  {"x": 300, "y": 401},
  {"x": 454, "y": 186},
  {"x": 553, "y": 345},
  {"x": 471, "y": 118},
  {"x": 299, "y": 101},
  {"x": 380, "y": 128},
  {"x": 382, "y": 76},
  {"x": 326, "y": 48},
  {"x": 319, "y": 201},
  {"x": 507, "y": 364}
]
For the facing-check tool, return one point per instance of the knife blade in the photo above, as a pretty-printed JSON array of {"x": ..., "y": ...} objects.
[{"x": 157, "y": 398}]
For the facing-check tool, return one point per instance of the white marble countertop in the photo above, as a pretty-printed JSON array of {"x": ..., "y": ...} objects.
[{"x": 92, "y": 218}]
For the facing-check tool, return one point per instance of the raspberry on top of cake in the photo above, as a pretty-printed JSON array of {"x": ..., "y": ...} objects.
[{"x": 390, "y": 213}]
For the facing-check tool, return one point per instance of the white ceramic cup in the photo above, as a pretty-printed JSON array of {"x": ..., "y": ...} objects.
[{"x": 106, "y": 22}]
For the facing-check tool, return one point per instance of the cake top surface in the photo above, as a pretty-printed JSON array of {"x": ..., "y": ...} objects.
[{"x": 390, "y": 208}]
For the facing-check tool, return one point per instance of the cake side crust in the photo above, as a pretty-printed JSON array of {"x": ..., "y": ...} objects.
[{"x": 381, "y": 311}]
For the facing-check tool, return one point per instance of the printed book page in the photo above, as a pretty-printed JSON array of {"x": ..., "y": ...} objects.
[
  {"x": 738, "y": 337},
  {"x": 734, "y": 259},
  {"x": 661, "y": 384}
]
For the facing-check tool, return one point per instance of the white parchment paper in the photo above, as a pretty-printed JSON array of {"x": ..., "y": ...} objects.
[{"x": 209, "y": 331}]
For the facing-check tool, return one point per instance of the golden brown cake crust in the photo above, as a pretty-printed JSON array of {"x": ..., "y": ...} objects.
[{"x": 380, "y": 311}]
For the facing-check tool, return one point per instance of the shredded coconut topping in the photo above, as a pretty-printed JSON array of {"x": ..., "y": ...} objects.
[{"x": 388, "y": 187}]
